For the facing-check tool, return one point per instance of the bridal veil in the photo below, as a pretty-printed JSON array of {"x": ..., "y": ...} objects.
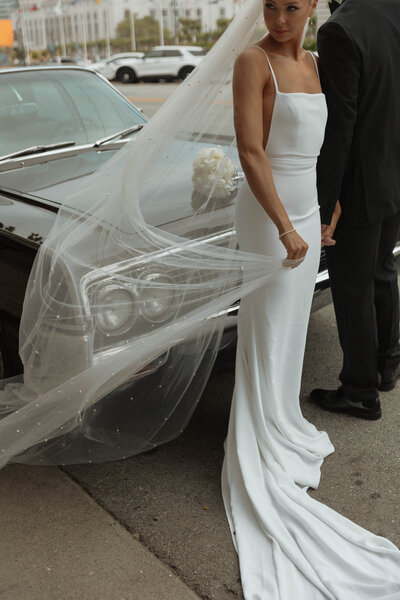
[{"x": 123, "y": 313}]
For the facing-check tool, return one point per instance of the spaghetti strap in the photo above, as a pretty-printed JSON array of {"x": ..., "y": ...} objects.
[
  {"x": 270, "y": 66},
  {"x": 315, "y": 63}
]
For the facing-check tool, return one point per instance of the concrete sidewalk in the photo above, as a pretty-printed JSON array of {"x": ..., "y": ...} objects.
[{"x": 59, "y": 544}]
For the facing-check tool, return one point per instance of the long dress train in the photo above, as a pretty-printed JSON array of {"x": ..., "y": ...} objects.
[{"x": 290, "y": 546}]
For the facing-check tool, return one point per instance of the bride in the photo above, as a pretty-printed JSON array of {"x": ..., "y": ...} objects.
[{"x": 290, "y": 547}]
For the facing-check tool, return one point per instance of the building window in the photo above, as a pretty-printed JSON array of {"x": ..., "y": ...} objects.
[{"x": 222, "y": 12}]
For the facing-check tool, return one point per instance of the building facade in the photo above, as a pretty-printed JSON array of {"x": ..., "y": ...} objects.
[
  {"x": 61, "y": 22},
  {"x": 6, "y": 8}
]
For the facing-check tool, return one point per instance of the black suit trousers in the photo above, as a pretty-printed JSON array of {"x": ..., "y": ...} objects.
[{"x": 365, "y": 293}]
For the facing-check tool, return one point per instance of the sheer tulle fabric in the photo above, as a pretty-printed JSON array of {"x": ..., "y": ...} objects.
[{"x": 120, "y": 324}]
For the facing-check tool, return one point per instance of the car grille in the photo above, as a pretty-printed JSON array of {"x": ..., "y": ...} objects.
[{"x": 323, "y": 265}]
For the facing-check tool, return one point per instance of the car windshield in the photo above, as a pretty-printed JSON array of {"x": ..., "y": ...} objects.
[{"x": 41, "y": 107}]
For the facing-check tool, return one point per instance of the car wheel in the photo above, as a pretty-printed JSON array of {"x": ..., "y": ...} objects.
[
  {"x": 126, "y": 75},
  {"x": 10, "y": 362},
  {"x": 184, "y": 72}
]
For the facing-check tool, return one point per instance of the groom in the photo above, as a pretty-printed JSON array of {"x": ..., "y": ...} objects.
[{"x": 359, "y": 51}]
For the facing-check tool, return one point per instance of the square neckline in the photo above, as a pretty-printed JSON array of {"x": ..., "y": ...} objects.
[
  {"x": 277, "y": 90},
  {"x": 299, "y": 93}
]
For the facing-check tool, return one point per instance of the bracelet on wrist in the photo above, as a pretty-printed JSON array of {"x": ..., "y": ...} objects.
[{"x": 286, "y": 233}]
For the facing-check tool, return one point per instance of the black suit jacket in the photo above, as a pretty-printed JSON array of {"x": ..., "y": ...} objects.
[{"x": 359, "y": 53}]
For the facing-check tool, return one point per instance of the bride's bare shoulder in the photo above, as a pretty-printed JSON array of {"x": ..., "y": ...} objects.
[
  {"x": 252, "y": 62},
  {"x": 251, "y": 55}
]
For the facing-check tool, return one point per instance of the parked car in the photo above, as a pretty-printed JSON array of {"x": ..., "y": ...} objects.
[
  {"x": 162, "y": 62},
  {"x": 109, "y": 66},
  {"x": 59, "y": 124},
  {"x": 72, "y": 60}
]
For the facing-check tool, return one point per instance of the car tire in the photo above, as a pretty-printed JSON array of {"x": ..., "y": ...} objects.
[
  {"x": 10, "y": 362},
  {"x": 126, "y": 75},
  {"x": 184, "y": 72}
]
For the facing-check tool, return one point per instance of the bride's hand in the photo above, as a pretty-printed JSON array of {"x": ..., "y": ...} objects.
[{"x": 295, "y": 246}]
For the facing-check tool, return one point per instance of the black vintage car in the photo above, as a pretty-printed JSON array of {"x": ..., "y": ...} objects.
[{"x": 58, "y": 125}]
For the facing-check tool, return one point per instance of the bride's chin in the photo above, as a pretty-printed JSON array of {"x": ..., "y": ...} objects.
[{"x": 280, "y": 38}]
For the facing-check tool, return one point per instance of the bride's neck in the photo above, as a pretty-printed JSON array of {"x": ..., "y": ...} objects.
[{"x": 290, "y": 49}]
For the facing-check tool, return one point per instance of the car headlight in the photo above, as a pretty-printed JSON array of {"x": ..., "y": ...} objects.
[
  {"x": 118, "y": 308},
  {"x": 158, "y": 304}
]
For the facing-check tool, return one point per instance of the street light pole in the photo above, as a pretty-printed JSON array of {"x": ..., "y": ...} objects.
[
  {"x": 161, "y": 24},
  {"x": 133, "y": 35},
  {"x": 25, "y": 44},
  {"x": 62, "y": 35},
  {"x": 108, "y": 46},
  {"x": 83, "y": 29},
  {"x": 176, "y": 41}
]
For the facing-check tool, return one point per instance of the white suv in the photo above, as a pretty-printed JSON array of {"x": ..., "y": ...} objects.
[
  {"x": 162, "y": 62},
  {"x": 109, "y": 66}
]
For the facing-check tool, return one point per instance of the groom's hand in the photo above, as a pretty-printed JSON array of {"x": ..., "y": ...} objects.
[{"x": 327, "y": 231}]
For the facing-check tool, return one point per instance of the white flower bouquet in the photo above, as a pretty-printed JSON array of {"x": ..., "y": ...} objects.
[{"x": 214, "y": 174}]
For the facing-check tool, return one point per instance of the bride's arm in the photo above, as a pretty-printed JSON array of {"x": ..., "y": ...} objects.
[{"x": 251, "y": 75}]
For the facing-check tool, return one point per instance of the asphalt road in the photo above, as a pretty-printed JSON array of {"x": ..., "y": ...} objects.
[
  {"x": 170, "y": 498},
  {"x": 147, "y": 96}
]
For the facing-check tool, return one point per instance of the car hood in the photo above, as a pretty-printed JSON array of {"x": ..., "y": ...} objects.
[{"x": 59, "y": 182}]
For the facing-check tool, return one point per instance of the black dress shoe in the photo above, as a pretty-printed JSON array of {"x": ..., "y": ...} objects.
[
  {"x": 389, "y": 378},
  {"x": 337, "y": 401}
]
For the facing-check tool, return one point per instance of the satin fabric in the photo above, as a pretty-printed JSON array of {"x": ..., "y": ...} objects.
[{"x": 290, "y": 546}]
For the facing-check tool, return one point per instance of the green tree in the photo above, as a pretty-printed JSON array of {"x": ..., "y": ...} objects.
[
  {"x": 222, "y": 24},
  {"x": 310, "y": 40},
  {"x": 124, "y": 29},
  {"x": 189, "y": 30},
  {"x": 147, "y": 32},
  {"x": 208, "y": 39}
]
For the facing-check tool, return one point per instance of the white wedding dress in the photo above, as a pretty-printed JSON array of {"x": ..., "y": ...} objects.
[{"x": 290, "y": 547}]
